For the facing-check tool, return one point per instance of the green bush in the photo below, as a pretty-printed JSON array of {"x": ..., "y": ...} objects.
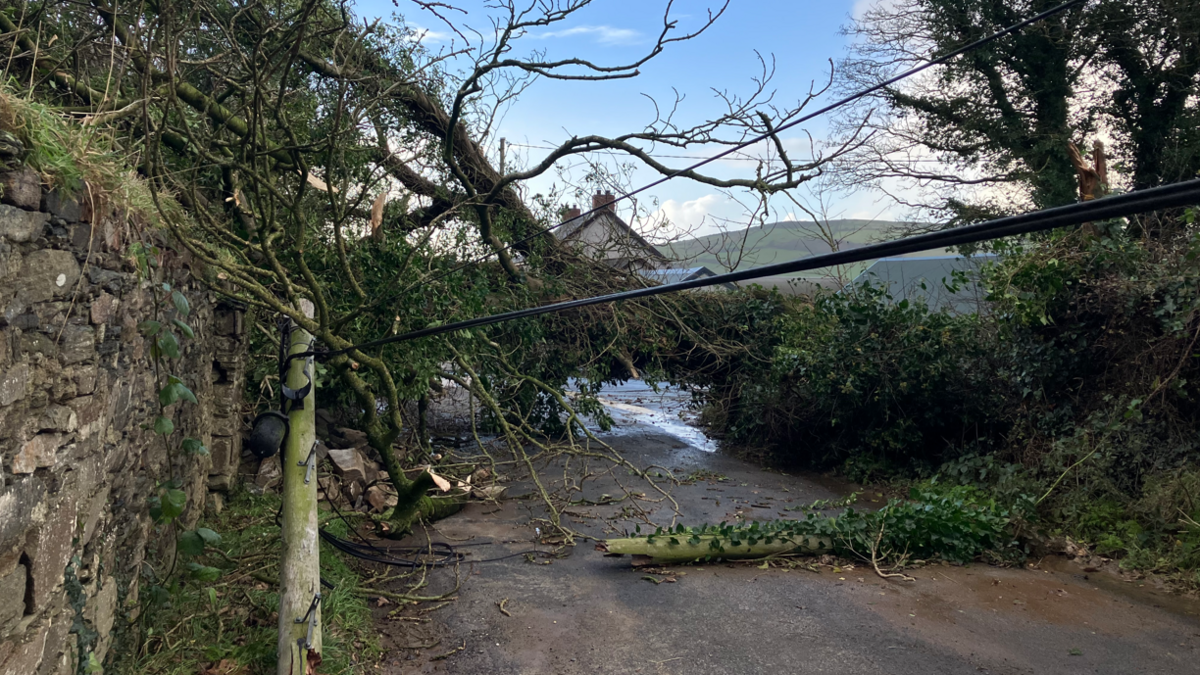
[
  {"x": 875, "y": 385},
  {"x": 1077, "y": 391}
]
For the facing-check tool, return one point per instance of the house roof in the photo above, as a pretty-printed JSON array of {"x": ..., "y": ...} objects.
[
  {"x": 904, "y": 278},
  {"x": 672, "y": 275},
  {"x": 580, "y": 223},
  {"x": 676, "y": 275}
]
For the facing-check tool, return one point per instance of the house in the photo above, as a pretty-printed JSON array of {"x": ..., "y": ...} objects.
[
  {"x": 804, "y": 287},
  {"x": 673, "y": 275},
  {"x": 927, "y": 279},
  {"x": 602, "y": 235}
]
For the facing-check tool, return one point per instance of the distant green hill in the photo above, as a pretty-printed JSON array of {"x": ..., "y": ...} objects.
[{"x": 779, "y": 242}]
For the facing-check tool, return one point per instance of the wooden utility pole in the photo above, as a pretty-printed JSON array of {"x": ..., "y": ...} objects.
[
  {"x": 503, "y": 143},
  {"x": 299, "y": 571}
]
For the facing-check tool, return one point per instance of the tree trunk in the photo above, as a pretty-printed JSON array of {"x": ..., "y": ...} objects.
[
  {"x": 413, "y": 505},
  {"x": 667, "y": 549}
]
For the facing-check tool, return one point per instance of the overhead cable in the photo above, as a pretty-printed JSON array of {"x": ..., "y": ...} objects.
[
  {"x": 781, "y": 128},
  {"x": 1186, "y": 193}
]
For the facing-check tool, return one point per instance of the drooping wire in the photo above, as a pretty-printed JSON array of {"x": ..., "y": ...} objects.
[
  {"x": 729, "y": 151},
  {"x": 767, "y": 135},
  {"x": 1185, "y": 193}
]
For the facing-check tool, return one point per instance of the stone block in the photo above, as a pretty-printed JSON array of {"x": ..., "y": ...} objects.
[
  {"x": 89, "y": 415},
  {"x": 103, "y": 608},
  {"x": 371, "y": 471},
  {"x": 60, "y": 656},
  {"x": 22, "y": 188},
  {"x": 269, "y": 473},
  {"x": 25, "y": 658},
  {"x": 104, "y": 307},
  {"x": 12, "y": 308},
  {"x": 114, "y": 229},
  {"x": 41, "y": 451},
  {"x": 70, "y": 209},
  {"x": 38, "y": 343},
  {"x": 10, "y": 262},
  {"x": 49, "y": 549},
  {"x": 342, "y": 437},
  {"x": 78, "y": 344},
  {"x": 379, "y": 499},
  {"x": 225, "y": 456},
  {"x": 108, "y": 279},
  {"x": 97, "y": 506},
  {"x": 348, "y": 464},
  {"x": 85, "y": 378},
  {"x": 214, "y": 504},
  {"x": 22, "y": 505},
  {"x": 58, "y": 418},
  {"x": 85, "y": 237},
  {"x": 227, "y": 403},
  {"x": 47, "y": 275},
  {"x": 228, "y": 322},
  {"x": 14, "y": 383},
  {"x": 12, "y": 599},
  {"x": 26, "y": 321},
  {"x": 21, "y": 226}
]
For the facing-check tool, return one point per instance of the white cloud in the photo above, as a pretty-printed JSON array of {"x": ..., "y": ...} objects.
[
  {"x": 675, "y": 218},
  {"x": 428, "y": 37},
  {"x": 605, "y": 35}
]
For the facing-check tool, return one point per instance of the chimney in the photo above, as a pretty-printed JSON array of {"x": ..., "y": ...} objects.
[
  {"x": 603, "y": 200},
  {"x": 570, "y": 212}
]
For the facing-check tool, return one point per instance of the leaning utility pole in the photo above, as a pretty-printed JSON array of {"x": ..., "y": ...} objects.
[{"x": 299, "y": 571}]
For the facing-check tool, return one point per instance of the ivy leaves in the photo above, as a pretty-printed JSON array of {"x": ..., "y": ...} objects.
[
  {"x": 168, "y": 501},
  {"x": 167, "y": 504},
  {"x": 955, "y": 523},
  {"x": 163, "y": 426},
  {"x": 165, "y": 345},
  {"x": 192, "y": 542},
  {"x": 193, "y": 446},
  {"x": 175, "y": 391}
]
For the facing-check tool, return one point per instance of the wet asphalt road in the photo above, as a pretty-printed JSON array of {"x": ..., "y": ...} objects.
[{"x": 587, "y": 613}]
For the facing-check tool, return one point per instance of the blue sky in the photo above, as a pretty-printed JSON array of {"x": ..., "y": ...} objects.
[{"x": 800, "y": 36}]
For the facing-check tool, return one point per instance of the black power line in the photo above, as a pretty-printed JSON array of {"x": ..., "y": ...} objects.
[
  {"x": 1186, "y": 193},
  {"x": 783, "y": 127}
]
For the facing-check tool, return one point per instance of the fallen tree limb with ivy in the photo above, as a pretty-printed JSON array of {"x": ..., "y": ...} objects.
[{"x": 951, "y": 523}]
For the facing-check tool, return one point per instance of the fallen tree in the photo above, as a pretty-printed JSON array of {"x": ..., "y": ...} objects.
[
  {"x": 688, "y": 546},
  {"x": 951, "y": 523},
  {"x": 347, "y": 164}
]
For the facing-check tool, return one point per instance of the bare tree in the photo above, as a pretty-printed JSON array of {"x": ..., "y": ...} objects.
[{"x": 321, "y": 158}]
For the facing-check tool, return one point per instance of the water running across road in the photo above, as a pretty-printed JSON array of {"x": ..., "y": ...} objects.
[{"x": 635, "y": 405}]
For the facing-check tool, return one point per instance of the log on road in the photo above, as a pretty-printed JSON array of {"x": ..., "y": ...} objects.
[{"x": 667, "y": 549}]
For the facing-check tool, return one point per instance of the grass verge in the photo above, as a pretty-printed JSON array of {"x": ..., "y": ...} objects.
[{"x": 229, "y": 627}]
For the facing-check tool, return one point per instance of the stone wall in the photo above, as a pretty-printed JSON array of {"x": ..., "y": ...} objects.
[{"x": 76, "y": 388}]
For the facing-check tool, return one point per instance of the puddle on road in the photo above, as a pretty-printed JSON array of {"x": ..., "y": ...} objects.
[{"x": 635, "y": 403}]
